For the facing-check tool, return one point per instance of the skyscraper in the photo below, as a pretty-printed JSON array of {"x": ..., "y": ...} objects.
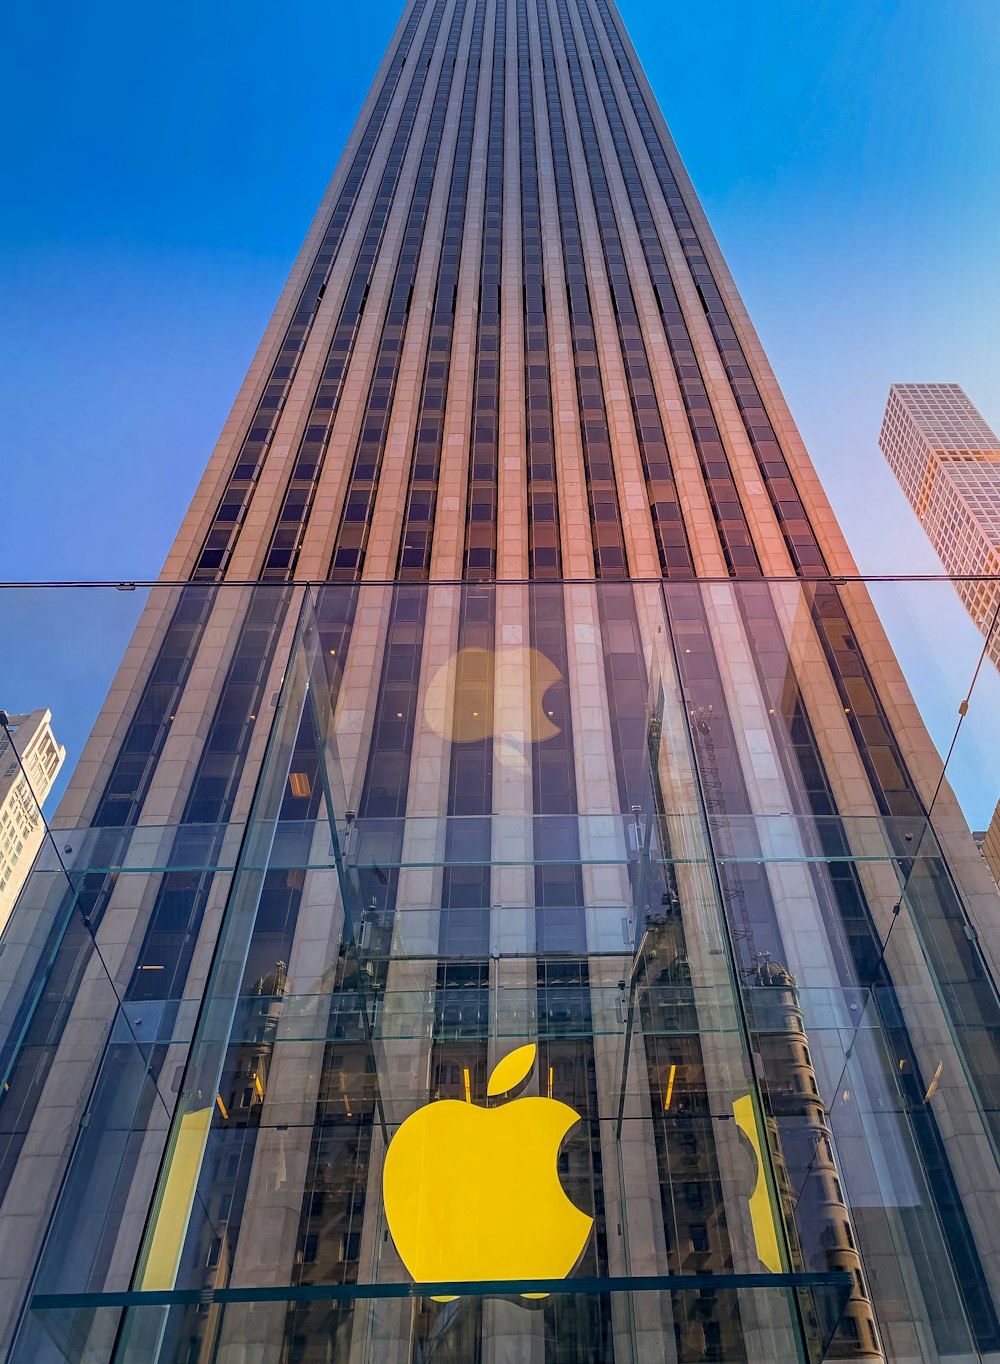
[
  {"x": 506, "y": 733},
  {"x": 947, "y": 461},
  {"x": 30, "y": 759}
]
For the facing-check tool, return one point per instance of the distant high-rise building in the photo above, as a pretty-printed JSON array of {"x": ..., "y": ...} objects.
[
  {"x": 30, "y": 760},
  {"x": 510, "y": 747},
  {"x": 947, "y": 461}
]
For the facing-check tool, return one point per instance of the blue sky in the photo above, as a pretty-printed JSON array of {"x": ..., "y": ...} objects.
[{"x": 162, "y": 164}]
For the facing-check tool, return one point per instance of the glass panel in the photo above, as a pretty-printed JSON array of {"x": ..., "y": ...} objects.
[
  {"x": 657, "y": 895},
  {"x": 705, "y": 1317}
]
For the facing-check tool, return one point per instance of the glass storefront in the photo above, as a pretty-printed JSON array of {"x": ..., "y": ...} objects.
[{"x": 685, "y": 847}]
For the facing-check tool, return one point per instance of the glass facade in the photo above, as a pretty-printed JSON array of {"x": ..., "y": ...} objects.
[
  {"x": 511, "y": 907},
  {"x": 603, "y": 843}
]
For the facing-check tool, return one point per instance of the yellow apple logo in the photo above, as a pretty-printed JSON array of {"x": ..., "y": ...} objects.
[{"x": 473, "y": 1193}]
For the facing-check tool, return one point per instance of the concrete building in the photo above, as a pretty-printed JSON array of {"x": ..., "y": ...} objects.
[
  {"x": 30, "y": 760},
  {"x": 507, "y": 749},
  {"x": 947, "y": 461}
]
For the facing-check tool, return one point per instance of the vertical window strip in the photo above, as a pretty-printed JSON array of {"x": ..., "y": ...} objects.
[
  {"x": 480, "y": 555},
  {"x": 246, "y": 473},
  {"x": 416, "y": 536},
  {"x": 599, "y": 471},
  {"x": 462, "y": 996},
  {"x": 661, "y": 490},
  {"x": 566, "y": 1053},
  {"x": 727, "y": 510},
  {"x": 803, "y": 547},
  {"x": 465, "y": 901},
  {"x": 559, "y": 890},
  {"x": 544, "y": 552}
]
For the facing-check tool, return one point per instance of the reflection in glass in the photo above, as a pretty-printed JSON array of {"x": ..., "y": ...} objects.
[{"x": 672, "y": 837}]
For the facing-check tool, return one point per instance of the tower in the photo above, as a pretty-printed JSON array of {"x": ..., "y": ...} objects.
[
  {"x": 30, "y": 759},
  {"x": 506, "y": 684},
  {"x": 947, "y": 461}
]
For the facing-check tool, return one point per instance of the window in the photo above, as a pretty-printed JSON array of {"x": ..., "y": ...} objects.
[{"x": 694, "y": 1195}]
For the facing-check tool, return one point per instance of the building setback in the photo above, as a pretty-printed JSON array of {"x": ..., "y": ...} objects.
[
  {"x": 507, "y": 687},
  {"x": 947, "y": 461}
]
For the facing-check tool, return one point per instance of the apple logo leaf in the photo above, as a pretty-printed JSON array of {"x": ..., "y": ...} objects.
[{"x": 511, "y": 1070}]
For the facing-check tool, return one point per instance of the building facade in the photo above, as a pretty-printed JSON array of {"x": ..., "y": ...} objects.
[
  {"x": 508, "y": 909},
  {"x": 947, "y": 461},
  {"x": 30, "y": 759},
  {"x": 989, "y": 842}
]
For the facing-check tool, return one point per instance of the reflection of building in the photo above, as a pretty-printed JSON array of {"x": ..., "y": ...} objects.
[
  {"x": 552, "y": 714},
  {"x": 826, "y": 1230},
  {"x": 947, "y": 461},
  {"x": 30, "y": 759}
]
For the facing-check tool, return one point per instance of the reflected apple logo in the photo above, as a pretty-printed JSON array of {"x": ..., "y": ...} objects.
[
  {"x": 479, "y": 693},
  {"x": 473, "y": 1193}
]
